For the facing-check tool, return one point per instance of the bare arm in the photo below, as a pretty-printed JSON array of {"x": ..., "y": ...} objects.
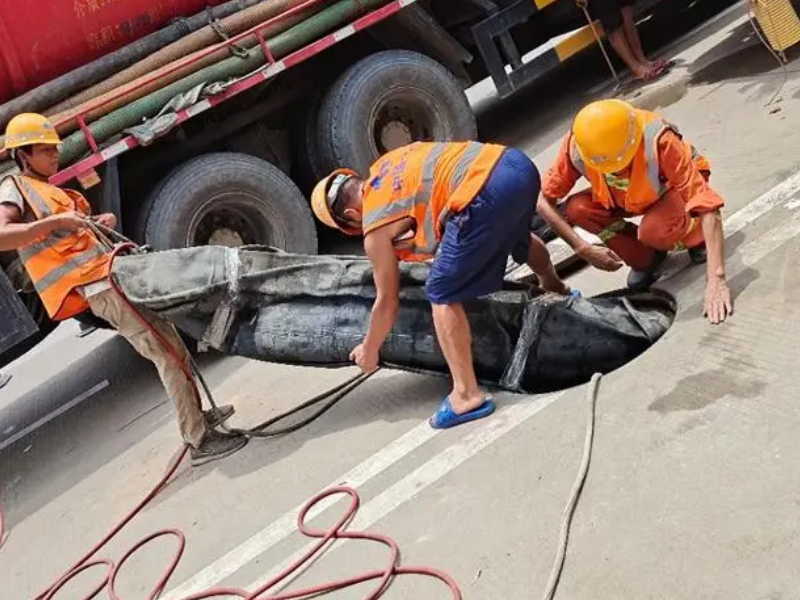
[
  {"x": 683, "y": 174},
  {"x": 600, "y": 257},
  {"x": 386, "y": 273},
  {"x": 718, "y": 305},
  {"x": 547, "y": 208},
  {"x": 15, "y": 234}
]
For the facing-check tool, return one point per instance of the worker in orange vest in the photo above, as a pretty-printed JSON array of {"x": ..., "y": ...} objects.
[
  {"x": 637, "y": 164},
  {"x": 467, "y": 206},
  {"x": 69, "y": 268}
]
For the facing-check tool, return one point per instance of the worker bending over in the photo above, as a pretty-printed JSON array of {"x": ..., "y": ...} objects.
[
  {"x": 637, "y": 164},
  {"x": 69, "y": 267},
  {"x": 467, "y": 206}
]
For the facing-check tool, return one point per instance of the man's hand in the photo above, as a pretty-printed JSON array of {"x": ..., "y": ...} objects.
[
  {"x": 600, "y": 257},
  {"x": 71, "y": 221},
  {"x": 106, "y": 220},
  {"x": 364, "y": 358},
  {"x": 718, "y": 305}
]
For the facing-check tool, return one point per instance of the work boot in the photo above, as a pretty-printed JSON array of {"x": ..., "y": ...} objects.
[
  {"x": 216, "y": 445},
  {"x": 642, "y": 280},
  {"x": 217, "y": 416},
  {"x": 698, "y": 254}
]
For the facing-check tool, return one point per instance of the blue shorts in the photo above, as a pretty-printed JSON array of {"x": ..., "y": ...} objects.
[{"x": 476, "y": 243}]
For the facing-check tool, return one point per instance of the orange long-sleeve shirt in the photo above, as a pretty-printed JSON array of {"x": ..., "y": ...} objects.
[{"x": 675, "y": 163}]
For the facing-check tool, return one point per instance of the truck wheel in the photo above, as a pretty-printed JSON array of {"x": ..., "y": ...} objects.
[
  {"x": 388, "y": 100},
  {"x": 308, "y": 167},
  {"x": 229, "y": 199}
]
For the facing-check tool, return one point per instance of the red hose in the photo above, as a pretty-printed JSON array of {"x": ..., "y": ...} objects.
[{"x": 337, "y": 531}]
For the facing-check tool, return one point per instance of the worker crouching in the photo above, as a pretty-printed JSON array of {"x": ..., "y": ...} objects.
[
  {"x": 69, "y": 267},
  {"x": 637, "y": 164},
  {"x": 467, "y": 206}
]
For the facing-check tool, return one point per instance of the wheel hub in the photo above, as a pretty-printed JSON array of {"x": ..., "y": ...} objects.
[
  {"x": 225, "y": 236},
  {"x": 395, "y": 134}
]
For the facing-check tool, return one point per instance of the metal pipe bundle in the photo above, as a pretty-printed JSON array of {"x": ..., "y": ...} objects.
[
  {"x": 133, "y": 79},
  {"x": 282, "y": 44},
  {"x": 47, "y": 94}
]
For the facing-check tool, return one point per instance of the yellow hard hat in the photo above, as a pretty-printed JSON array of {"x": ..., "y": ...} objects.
[
  {"x": 29, "y": 128},
  {"x": 608, "y": 133},
  {"x": 324, "y": 195}
]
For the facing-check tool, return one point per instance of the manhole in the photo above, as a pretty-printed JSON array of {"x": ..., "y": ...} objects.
[{"x": 580, "y": 337}]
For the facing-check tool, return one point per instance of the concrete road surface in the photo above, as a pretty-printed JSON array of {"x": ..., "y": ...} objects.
[{"x": 693, "y": 490}]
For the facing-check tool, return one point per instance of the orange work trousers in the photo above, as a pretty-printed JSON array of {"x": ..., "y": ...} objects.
[{"x": 665, "y": 226}]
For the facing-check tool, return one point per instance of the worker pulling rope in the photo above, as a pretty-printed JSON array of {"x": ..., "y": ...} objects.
[{"x": 107, "y": 236}]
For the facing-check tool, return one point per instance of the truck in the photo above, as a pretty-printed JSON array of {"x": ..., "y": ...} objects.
[{"x": 231, "y": 162}]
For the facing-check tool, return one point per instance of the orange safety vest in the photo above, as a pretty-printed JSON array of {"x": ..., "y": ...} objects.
[
  {"x": 647, "y": 184},
  {"x": 427, "y": 182},
  {"x": 63, "y": 260}
]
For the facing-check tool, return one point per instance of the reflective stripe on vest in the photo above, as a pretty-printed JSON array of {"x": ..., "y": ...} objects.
[
  {"x": 403, "y": 206},
  {"x": 35, "y": 201},
  {"x": 77, "y": 260},
  {"x": 652, "y": 132},
  {"x": 426, "y": 182},
  {"x": 464, "y": 163},
  {"x": 424, "y": 196},
  {"x": 31, "y": 250}
]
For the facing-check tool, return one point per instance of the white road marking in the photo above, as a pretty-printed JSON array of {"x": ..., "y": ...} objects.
[
  {"x": 286, "y": 524},
  {"x": 484, "y": 433},
  {"x": 57, "y": 412},
  {"x": 755, "y": 250},
  {"x": 783, "y": 192},
  {"x": 479, "y": 438}
]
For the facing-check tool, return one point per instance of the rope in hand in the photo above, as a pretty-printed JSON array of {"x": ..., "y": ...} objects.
[
  {"x": 577, "y": 487},
  {"x": 337, "y": 531}
]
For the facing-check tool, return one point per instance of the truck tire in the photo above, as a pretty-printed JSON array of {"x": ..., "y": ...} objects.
[
  {"x": 390, "y": 99},
  {"x": 229, "y": 199},
  {"x": 308, "y": 167}
]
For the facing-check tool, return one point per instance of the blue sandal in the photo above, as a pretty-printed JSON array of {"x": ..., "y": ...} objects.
[{"x": 445, "y": 418}]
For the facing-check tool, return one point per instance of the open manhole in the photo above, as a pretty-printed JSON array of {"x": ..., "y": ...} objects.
[{"x": 572, "y": 339}]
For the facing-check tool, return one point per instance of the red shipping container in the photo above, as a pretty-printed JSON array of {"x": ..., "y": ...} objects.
[{"x": 42, "y": 39}]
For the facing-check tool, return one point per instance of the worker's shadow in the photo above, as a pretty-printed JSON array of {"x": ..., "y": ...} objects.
[
  {"x": 741, "y": 57},
  {"x": 127, "y": 406}
]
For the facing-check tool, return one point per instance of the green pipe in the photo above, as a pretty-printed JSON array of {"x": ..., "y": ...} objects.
[{"x": 282, "y": 44}]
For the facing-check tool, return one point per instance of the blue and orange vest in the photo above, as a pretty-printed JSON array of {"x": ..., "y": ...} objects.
[{"x": 427, "y": 182}]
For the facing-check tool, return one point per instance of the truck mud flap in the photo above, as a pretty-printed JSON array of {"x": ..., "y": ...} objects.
[
  {"x": 312, "y": 310},
  {"x": 16, "y": 324}
]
